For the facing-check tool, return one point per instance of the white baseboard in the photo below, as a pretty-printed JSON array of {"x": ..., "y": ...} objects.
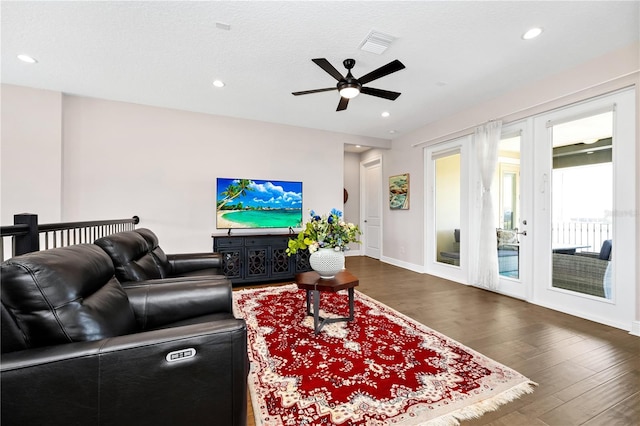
[
  {"x": 352, "y": 253},
  {"x": 635, "y": 328},
  {"x": 580, "y": 314},
  {"x": 410, "y": 266}
]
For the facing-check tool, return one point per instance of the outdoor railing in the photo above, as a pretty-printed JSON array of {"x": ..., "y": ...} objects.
[
  {"x": 591, "y": 234},
  {"x": 26, "y": 235}
]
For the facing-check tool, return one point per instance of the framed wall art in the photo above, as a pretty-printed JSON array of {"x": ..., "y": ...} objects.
[{"x": 399, "y": 192}]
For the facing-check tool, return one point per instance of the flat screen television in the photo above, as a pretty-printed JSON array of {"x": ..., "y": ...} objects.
[{"x": 254, "y": 203}]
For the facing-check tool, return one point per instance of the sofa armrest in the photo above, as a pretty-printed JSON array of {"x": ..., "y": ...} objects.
[
  {"x": 156, "y": 305},
  {"x": 189, "y": 262},
  {"x": 173, "y": 280},
  {"x": 115, "y": 380}
]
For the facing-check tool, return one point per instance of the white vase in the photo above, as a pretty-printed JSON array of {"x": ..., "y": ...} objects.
[{"x": 327, "y": 262}]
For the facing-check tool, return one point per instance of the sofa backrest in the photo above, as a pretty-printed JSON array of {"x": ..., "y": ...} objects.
[
  {"x": 158, "y": 254},
  {"x": 12, "y": 337},
  {"x": 605, "y": 250},
  {"x": 61, "y": 295},
  {"x": 132, "y": 256}
]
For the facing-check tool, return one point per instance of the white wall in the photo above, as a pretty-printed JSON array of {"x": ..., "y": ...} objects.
[
  {"x": 402, "y": 239},
  {"x": 31, "y": 154},
  {"x": 116, "y": 160}
]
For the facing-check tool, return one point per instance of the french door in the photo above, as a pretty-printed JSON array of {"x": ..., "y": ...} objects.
[
  {"x": 446, "y": 207},
  {"x": 513, "y": 204},
  {"x": 565, "y": 196},
  {"x": 452, "y": 227},
  {"x": 584, "y": 238}
]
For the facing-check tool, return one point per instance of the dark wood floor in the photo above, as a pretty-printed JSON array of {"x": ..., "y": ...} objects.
[{"x": 588, "y": 373}]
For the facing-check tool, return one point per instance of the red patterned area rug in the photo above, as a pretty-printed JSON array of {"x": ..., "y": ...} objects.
[{"x": 381, "y": 369}]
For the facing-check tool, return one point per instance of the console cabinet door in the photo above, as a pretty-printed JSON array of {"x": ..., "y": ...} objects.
[
  {"x": 301, "y": 260},
  {"x": 257, "y": 262},
  {"x": 231, "y": 262},
  {"x": 231, "y": 250},
  {"x": 281, "y": 265}
]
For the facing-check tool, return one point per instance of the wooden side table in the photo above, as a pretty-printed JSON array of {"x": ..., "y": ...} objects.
[{"x": 313, "y": 284}]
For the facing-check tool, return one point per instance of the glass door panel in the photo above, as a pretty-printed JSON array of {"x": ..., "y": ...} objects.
[
  {"x": 509, "y": 207},
  {"x": 447, "y": 209},
  {"x": 582, "y": 205}
]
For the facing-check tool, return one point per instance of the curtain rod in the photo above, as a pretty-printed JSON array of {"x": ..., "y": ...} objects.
[{"x": 468, "y": 130}]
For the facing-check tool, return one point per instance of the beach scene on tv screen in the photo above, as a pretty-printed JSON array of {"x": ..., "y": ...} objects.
[{"x": 253, "y": 203}]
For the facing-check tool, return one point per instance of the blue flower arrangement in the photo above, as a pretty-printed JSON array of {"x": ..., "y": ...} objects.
[{"x": 327, "y": 231}]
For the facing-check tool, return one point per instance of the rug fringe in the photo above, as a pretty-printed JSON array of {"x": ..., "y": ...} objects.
[{"x": 480, "y": 408}]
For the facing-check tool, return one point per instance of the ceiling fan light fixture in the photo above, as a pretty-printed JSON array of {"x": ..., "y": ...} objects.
[{"x": 350, "y": 91}]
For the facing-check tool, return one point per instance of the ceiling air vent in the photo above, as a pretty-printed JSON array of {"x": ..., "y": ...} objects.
[{"x": 376, "y": 42}]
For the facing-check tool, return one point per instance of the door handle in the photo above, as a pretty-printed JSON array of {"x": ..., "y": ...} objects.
[{"x": 522, "y": 233}]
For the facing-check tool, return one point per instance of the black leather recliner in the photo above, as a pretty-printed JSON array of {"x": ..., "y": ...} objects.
[
  {"x": 79, "y": 349},
  {"x": 137, "y": 256}
]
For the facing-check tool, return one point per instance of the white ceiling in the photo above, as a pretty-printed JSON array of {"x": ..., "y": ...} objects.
[{"x": 456, "y": 53}]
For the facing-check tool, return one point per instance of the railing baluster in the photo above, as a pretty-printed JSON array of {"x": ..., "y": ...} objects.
[
  {"x": 591, "y": 234},
  {"x": 32, "y": 237}
]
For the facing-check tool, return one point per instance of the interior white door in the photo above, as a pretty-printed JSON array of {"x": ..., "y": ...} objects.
[
  {"x": 371, "y": 190},
  {"x": 574, "y": 166}
]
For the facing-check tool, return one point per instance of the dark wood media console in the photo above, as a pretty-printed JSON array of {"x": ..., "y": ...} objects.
[{"x": 259, "y": 258}]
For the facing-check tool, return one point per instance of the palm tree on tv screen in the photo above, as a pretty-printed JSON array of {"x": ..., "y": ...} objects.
[{"x": 234, "y": 190}]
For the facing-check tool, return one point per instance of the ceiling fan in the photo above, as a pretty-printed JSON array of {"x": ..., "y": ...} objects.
[{"x": 350, "y": 87}]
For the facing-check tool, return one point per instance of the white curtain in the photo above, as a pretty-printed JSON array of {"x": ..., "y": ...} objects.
[{"x": 487, "y": 138}]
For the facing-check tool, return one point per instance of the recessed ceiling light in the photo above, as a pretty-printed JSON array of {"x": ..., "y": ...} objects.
[
  {"x": 385, "y": 114},
  {"x": 393, "y": 131},
  {"x": 532, "y": 33},
  {"x": 28, "y": 59},
  {"x": 358, "y": 146},
  {"x": 218, "y": 83}
]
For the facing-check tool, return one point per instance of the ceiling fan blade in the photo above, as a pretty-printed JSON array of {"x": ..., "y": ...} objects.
[
  {"x": 391, "y": 67},
  {"x": 325, "y": 65},
  {"x": 306, "y": 92},
  {"x": 387, "y": 94},
  {"x": 342, "y": 105}
]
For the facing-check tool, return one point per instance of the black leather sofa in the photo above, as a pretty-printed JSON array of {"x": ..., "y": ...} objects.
[
  {"x": 137, "y": 256},
  {"x": 78, "y": 348}
]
